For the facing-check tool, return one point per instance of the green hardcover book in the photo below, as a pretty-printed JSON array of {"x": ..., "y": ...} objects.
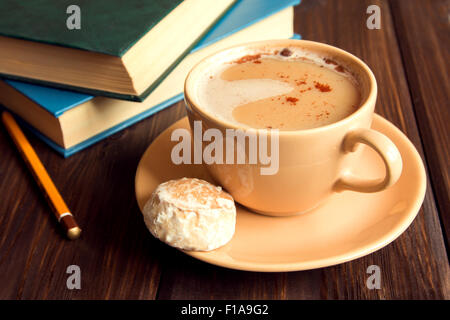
[{"x": 116, "y": 48}]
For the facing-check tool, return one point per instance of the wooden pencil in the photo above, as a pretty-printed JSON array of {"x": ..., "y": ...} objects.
[{"x": 56, "y": 202}]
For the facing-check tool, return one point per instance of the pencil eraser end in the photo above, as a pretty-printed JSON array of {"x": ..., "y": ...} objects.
[{"x": 74, "y": 233}]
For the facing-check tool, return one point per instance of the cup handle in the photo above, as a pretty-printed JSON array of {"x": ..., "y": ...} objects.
[{"x": 387, "y": 151}]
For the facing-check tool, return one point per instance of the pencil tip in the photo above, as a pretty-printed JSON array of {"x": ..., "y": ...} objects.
[
  {"x": 73, "y": 233},
  {"x": 4, "y": 114}
]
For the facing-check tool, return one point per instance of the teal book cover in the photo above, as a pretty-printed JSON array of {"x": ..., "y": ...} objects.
[
  {"x": 108, "y": 29},
  {"x": 113, "y": 26}
]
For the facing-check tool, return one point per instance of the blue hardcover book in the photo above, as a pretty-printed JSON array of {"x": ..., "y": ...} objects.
[{"x": 42, "y": 107}]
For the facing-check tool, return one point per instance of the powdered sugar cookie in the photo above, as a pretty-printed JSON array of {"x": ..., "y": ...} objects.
[{"x": 191, "y": 214}]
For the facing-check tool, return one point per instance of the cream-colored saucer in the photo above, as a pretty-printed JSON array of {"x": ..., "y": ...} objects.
[{"x": 347, "y": 226}]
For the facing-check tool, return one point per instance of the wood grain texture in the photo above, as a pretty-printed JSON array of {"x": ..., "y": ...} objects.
[
  {"x": 120, "y": 260},
  {"x": 98, "y": 185},
  {"x": 424, "y": 30}
]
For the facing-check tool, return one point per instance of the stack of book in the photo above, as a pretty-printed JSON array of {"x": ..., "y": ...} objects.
[{"x": 76, "y": 74}]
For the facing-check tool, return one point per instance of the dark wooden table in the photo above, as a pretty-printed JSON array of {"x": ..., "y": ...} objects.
[{"x": 118, "y": 257}]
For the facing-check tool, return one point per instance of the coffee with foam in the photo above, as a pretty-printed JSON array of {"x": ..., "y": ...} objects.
[{"x": 285, "y": 89}]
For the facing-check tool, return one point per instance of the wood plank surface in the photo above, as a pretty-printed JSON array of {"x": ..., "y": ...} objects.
[
  {"x": 424, "y": 30},
  {"x": 118, "y": 257}
]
